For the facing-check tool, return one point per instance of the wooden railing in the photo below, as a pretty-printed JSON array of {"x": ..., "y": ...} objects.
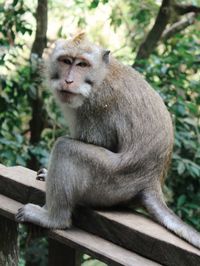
[{"x": 112, "y": 236}]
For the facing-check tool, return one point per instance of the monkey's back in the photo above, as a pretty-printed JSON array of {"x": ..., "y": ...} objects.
[{"x": 147, "y": 132}]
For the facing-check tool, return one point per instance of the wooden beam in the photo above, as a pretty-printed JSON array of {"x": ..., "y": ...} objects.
[
  {"x": 127, "y": 229},
  {"x": 139, "y": 234},
  {"x": 20, "y": 183},
  {"x": 78, "y": 239}
]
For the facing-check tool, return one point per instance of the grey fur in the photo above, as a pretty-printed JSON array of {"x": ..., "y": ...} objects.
[{"x": 121, "y": 147}]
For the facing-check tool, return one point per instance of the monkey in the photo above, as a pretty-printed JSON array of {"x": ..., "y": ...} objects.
[{"x": 120, "y": 144}]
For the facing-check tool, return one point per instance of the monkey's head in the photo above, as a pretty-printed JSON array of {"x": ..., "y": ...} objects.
[{"x": 76, "y": 68}]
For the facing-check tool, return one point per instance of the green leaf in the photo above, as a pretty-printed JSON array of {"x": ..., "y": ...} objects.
[
  {"x": 181, "y": 200},
  {"x": 14, "y": 3},
  {"x": 181, "y": 168},
  {"x": 194, "y": 171},
  {"x": 94, "y": 4},
  {"x": 193, "y": 107}
]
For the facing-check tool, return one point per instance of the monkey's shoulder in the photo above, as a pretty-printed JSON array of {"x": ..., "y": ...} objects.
[{"x": 130, "y": 86}]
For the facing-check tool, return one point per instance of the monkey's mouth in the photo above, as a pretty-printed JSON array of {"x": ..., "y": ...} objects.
[
  {"x": 66, "y": 92},
  {"x": 66, "y": 95}
]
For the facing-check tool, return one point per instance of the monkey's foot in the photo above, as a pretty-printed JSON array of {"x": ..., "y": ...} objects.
[
  {"x": 29, "y": 213},
  {"x": 42, "y": 174},
  {"x": 39, "y": 216}
]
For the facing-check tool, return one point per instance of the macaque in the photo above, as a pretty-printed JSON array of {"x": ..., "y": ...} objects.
[{"x": 120, "y": 145}]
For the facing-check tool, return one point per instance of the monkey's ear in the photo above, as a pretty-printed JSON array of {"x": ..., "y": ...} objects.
[{"x": 105, "y": 56}]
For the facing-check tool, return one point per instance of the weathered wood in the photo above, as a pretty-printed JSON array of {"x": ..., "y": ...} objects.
[
  {"x": 60, "y": 254},
  {"x": 20, "y": 183},
  {"x": 83, "y": 241},
  {"x": 131, "y": 231},
  {"x": 139, "y": 234},
  {"x": 8, "y": 242},
  {"x": 100, "y": 248}
]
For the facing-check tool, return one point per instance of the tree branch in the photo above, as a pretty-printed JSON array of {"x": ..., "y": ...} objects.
[
  {"x": 158, "y": 31},
  {"x": 40, "y": 37},
  {"x": 155, "y": 34},
  {"x": 184, "y": 9},
  {"x": 179, "y": 26}
]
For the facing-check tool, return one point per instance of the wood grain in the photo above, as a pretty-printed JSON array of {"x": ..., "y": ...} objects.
[
  {"x": 83, "y": 241},
  {"x": 126, "y": 229}
]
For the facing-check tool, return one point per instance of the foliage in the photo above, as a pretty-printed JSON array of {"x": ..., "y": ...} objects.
[
  {"x": 36, "y": 251},
  {"x": 174, "y": 72},
  {"x": 13, "y": 100},
  {"x": 12, "y": 24}
]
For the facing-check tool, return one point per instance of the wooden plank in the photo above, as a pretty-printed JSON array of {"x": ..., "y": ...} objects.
[
  {"x": 20, "y": 183},
  {"x": 139, "y": 234},
  {"x": 101, "y": 249},
  {"x": 83, "y": 241},
  {"x": 131, "y": 231}
]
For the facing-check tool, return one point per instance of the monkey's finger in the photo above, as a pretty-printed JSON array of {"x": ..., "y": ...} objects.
[
  {"x": 19, "y": 217},
  {"x": 20, "y": 211},
  {"x": 41, "y": 177},
  {"x": 42, "y": 171}
]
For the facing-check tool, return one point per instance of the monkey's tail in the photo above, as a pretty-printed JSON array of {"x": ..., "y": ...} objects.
[{"x": 155, "y": 205}]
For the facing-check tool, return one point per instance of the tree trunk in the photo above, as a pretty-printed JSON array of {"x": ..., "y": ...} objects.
[
  {"x": 167, "y": 9},
  {"x": 155, "y": 33},
  {"x": 38, "y": 114}
]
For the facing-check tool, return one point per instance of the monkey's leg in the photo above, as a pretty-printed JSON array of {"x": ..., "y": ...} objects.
[
  {"x": 153, "y": 201},
  {"x": 70, "y": 172}
]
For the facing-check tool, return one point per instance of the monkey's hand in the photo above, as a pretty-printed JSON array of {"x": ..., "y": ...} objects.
[{"x": 42, "y": 174}]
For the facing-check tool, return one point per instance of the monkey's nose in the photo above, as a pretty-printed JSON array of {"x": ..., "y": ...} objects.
[{"x": 69, "y": 81}]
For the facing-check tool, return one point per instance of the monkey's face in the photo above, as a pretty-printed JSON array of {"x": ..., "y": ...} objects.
[{"x": 76, "y": 69}]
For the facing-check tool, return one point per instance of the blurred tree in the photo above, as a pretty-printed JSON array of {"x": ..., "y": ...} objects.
[
  {"x": 169, "y": 12},
  {"x": 38, "y": 117},
  {"x": 174, "y": 72}
]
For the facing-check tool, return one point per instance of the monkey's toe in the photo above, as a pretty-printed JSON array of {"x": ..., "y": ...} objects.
[
  {"x": 19, "y": 217},
  {"x": 25, "y": 213},
  {"x": 41, "y": 174}
]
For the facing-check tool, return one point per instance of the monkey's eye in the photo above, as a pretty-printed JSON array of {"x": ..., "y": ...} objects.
[
  {"x": 82, "y": 64},
  {"x": 66, "y": 61}
]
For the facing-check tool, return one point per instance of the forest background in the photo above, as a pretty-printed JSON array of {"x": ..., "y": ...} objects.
[{"x": 161, "y": 39}]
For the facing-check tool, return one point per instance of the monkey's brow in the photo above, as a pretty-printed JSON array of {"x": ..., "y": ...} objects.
[
  {"x": 73, "y": 58},
  {"x": 83, "y": 59},
  {"x": 65, "y": 56}
]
